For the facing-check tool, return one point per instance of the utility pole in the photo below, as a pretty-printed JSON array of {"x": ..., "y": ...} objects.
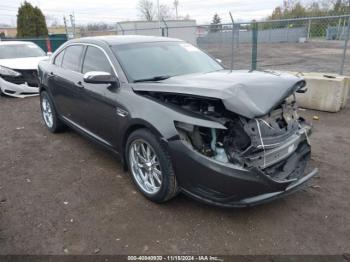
[
  {"x": 176, "y": 4},
  {"x": 160, "y": 30},
  {"x": 65, "y": 26},
  {"x": 72, "y": 21}
]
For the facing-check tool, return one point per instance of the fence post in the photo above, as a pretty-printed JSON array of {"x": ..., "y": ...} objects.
[
  {"x": 166, "y": 27},
  {"x": 308, "y": 30},
  {"x": 238, "y": 26},
  {"x": 254, "y": 44},
  {"x": 232, "y": 43},
  {"x": 341, "y": 71},
  {"x": 121, "y": 28}
]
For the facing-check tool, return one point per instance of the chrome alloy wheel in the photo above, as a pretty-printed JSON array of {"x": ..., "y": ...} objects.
[
  {"x": 47, "y": 112},
  {"x": 145, "y": 166}
]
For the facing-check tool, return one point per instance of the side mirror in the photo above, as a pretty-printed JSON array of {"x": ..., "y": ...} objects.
[
  {"x": 97, "y": 77},
  {"x": 302, "y": 90}
]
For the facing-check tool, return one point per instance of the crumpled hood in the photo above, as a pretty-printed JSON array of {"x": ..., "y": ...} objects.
[
  {"x": 247, "y": 93},
  {"x": 28, "y": 63}
]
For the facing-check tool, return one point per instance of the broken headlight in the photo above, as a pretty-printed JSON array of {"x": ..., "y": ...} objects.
[{"x": 4, "y": 71}]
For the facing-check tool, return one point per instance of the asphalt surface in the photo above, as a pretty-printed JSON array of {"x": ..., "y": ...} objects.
[{"x": 61, "y": 194}]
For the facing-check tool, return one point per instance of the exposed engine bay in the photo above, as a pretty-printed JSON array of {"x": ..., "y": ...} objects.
[{"x": 249, "y": 143}]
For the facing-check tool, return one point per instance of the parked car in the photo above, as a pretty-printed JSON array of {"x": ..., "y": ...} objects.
[
  {"x": 178, "y": 120},
  {"x": 18, "y": 68}
]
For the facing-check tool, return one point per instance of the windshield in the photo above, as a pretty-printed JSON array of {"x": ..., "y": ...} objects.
[
  {"x": 20, "y": 51},
  {"x": 155, "y": 60}
]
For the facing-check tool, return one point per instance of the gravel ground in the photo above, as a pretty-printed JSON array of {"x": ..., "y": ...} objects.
[
  {"x": 63, "y": 194},
  {"x": 315, "y": 56}
]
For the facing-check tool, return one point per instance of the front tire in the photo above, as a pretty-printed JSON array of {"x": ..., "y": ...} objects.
[
  {"x": 49, "y": 114},
  {"x": 150, "y": 166}
]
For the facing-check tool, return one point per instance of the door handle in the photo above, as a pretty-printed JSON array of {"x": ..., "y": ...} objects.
[
  {"x": 51, "y": 75},
  {"x": 79, "y": 84}
]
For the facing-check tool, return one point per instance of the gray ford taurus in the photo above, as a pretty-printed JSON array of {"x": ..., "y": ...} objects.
[{"x": 178, "y": 120}]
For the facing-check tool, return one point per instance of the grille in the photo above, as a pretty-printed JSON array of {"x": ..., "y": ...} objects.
[{"x": 29, "y": 76}]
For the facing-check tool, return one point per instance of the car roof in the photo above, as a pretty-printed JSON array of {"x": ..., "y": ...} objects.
[
  {"x": 124, "y": 39},
  {"x": 15, "y": 42}
]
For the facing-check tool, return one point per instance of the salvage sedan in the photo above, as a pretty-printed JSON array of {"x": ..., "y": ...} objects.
[
  {"x": 178, "y": 120},
  {"x": 19, "y": 68}
]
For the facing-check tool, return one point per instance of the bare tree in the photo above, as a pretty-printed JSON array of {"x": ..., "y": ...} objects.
[
  {"x": 52, "y": 20},
  {"x": 186, "y": 17},
  {"x": 165, "y": 12},
  {"x": 146, "y": 9},
  {"x": 101, "y": 26}
]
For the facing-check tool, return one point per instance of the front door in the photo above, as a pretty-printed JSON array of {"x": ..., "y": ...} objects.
[
  {"x": 68, "y": 85},
  {"x": 100, "y": 114}
]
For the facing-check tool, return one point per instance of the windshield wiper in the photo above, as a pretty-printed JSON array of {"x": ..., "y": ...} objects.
[{"x": 155, "y": 78}]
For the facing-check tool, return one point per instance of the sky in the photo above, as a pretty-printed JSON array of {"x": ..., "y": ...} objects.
[{"x": 111, "y": 11}]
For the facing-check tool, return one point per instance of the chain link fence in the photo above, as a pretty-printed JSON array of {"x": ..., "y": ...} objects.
[
  {"x": 312, "y": 44},
  {"x": 309, "y": 44}
]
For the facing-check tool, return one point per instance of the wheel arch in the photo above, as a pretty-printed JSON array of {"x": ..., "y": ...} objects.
[
  {"x": 42, "y": 88},
  {"x": 135, "y": 125}
]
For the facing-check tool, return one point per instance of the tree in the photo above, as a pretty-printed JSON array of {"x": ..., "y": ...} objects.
[
  {"x": 97, "y": 26},
  {"x": 165, "y": 12},
  {"x": 30, "y": 21},
  {"x": 186, "y": 17},
  {"x": 340, "y": 7},
  {"x": 146, "y": 9},
  {"x": 215, "y": 25},
  {"x": 295, "y": 9},
  {"x": 277, "y": 13},
  {"x": 52, "y": 20}
]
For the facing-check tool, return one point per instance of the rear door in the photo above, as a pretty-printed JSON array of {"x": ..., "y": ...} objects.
[
  {"x": 100, "y": 117},
  {"x": 68, "y": 85}
]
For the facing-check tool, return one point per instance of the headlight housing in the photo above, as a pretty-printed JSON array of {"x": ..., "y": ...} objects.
[{"x": 4, "y": 71}]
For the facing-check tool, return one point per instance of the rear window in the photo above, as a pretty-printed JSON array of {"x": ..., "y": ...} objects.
[{"x": 72, "y": 56}]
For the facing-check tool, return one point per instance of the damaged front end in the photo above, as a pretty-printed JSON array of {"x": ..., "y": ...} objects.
[
  {"x": 266, "y": 155},
  {"x": 19, "y": 83}
]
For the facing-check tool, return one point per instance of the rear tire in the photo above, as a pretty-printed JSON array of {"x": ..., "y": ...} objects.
[
  {"x": 150, "y": 166},
  {"x": 49, "y": 114}
]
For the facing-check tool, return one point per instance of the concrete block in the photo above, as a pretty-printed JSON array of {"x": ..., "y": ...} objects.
[{"x": 326, "y": 92}]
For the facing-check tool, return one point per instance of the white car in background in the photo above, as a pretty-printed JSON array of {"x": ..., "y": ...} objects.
[{"x": 19, "y": 68}]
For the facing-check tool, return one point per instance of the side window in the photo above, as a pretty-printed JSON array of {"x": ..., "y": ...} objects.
[
  {"x": 59, "y": 58},
  {"x": 96, "y": 60},
  {"x": 71, "y": 59}
]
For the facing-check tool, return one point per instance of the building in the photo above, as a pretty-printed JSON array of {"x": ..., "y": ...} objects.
[
  {"x": 182, "y": 29},
  {"x": 8, "y": 31}
]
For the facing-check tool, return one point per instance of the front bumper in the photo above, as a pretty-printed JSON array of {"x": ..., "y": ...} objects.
[
  {"x": 259, "y": 199},
  {"x": 228, "y": 185},
  {"x": 18, "y": 90}
]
